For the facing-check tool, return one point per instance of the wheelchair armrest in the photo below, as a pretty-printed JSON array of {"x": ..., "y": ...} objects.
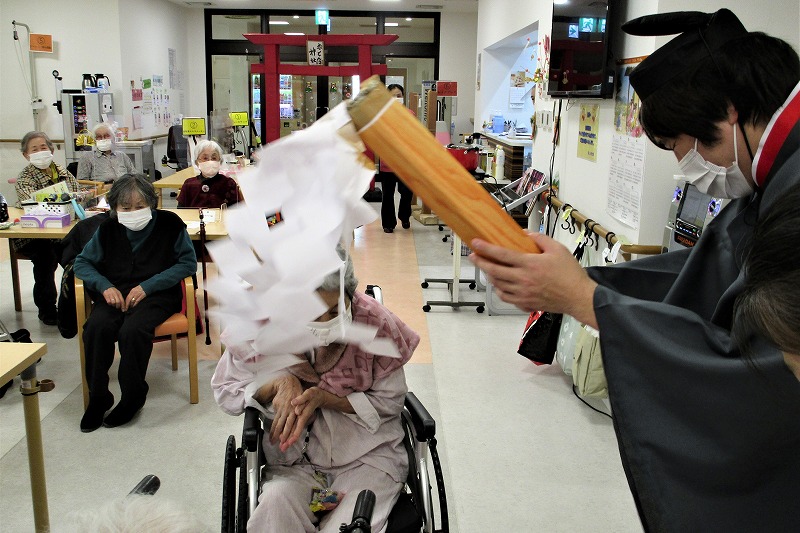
[
  {"x": 252, "y": 432},
  {"x": 424, "y": 424}
]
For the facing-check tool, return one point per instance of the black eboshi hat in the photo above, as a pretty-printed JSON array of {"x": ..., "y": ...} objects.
[{"x": 701, "y": 34}]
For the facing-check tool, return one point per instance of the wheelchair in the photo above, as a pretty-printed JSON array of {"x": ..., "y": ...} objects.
[{"x": 413, "y": 512}]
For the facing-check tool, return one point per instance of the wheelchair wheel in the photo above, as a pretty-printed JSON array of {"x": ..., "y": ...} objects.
[
  {"x": 242, "y": 512},
  {"x": 229, "y": 487}
]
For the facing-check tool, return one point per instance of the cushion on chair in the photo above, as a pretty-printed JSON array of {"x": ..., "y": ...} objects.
[{"x": 175, "y": 324}]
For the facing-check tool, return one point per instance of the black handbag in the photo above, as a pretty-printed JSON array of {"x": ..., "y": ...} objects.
[{"x": 540, "y": 337}]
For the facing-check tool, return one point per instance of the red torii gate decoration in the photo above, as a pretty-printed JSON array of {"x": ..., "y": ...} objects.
[{"x": 272, "y": 66}]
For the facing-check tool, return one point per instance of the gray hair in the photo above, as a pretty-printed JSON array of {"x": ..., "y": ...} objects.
[
  {"x": 136, "y": 513},
  {"x": 202, "y": 145},
  {"x": 127, "y": 187},
  {"x": 35, "y": 135},
  {"x": 331, "y": 281},
  {"x": 102, "y": 125}
]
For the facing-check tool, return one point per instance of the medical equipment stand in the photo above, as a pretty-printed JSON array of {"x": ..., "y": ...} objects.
[{"x": 453, "y": 283}]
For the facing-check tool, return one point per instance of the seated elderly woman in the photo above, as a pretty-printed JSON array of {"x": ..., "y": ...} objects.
[
  {"x": 210, "y": 188},
  {"x": 336, "y": 417},
  {"x": 768, "y": 306},
  {"x": 41, "y": 172},
  {"x": 133, "y": 267},
  {"x": 103, "y": 163}
]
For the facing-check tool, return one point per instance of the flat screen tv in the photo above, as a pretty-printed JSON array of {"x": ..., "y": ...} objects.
[{"x": 581, "y": 58}]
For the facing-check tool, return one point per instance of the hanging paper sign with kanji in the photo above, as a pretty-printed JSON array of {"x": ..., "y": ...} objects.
[{"x": 315, "y": 50}]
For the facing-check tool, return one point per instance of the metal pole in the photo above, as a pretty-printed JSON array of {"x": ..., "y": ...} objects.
[
  {"x": 34, "y": 95},
  {"x": 33, "y": 432}
]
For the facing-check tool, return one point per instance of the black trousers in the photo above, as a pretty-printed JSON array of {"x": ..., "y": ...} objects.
[
  {"x": 134, "y": 331},
  {"x": 44, "y": 254},
  {"x": 388, "y": 219}
]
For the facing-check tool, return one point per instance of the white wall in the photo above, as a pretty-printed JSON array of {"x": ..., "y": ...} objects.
[
  {"x": 584, "y": 184},
  {"x": 458, "y": 37}
]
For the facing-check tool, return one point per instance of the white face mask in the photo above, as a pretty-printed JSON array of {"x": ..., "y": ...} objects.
[
  {"x": 135, "y": 220},
  {"x": 41, "y": 160},
  {"x": 332, "y": 330},
  {"x": 713, "y": 179},
  {"x": 209, "y": 169},
  {"x": 104, "y": 145}
]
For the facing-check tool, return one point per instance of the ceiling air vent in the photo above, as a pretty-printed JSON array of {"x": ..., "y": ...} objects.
[
  {"x": 430, "y": 6},
  {"x": 199, "y": 4}
]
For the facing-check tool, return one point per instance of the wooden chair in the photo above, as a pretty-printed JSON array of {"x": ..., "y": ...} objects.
[
  {"x": 176, "y": 324},
  {"x": 16, "y": 256},
  {"x": 99, "y": 186}
]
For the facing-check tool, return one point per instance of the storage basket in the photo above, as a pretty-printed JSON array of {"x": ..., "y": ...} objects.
[{"x": 55, "y": 208}]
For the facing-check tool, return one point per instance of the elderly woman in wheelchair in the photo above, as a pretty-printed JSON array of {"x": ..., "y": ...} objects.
[{"x": 336, "y": 418}]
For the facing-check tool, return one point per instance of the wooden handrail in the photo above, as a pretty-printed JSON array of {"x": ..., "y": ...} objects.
[{"x": 580, "y": 219}]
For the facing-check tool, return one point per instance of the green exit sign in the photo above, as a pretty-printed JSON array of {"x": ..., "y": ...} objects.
[{"x": 322, "y": 16}]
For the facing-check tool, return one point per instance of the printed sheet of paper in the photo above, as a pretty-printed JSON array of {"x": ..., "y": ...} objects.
[{"x": 625, "y": 179}]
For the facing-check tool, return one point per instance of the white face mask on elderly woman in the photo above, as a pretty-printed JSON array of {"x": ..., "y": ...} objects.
[
  {"x": 713, "y": 179},
  {"x": 104, "y": 145},
  {"x": 333, "y": 329},
  {"x": 41, "y": 160},
  {"x": 209, "y": 169},
  {"x": 135, "y": 220}
]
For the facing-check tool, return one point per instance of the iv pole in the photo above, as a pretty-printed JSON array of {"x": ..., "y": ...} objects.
[{"x": 36, "y": 102}]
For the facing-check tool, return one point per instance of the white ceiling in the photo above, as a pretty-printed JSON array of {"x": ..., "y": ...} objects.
[{"x": 450, "y": 6}]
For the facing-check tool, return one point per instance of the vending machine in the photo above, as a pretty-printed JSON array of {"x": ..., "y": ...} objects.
[
  {"x": 255, "y": 102},
  {"x": 81, "y": 112}
]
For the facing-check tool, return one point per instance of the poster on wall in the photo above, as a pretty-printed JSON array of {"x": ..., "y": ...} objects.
[
  {"x": 171, "y": 59},
  {"x": 625, "y": 178},
  {"x": 627, "y": 103},
  {"x": 587, "y": 132},
  {"x": 627, "y": 150}
]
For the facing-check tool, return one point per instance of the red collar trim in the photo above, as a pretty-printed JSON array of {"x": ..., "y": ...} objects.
[{"x": 775, "y": 135}]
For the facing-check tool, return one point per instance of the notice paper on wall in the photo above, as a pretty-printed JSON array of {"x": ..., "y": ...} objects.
[
  {"x": 588, "y": 131},
  {"x": 625, "y": 179}
]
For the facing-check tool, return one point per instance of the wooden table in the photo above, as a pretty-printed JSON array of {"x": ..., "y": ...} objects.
[
  {"x": 214, "y": 230},
  {"x": 16, "y": 358},
  {"x": 173, "y": 181}
]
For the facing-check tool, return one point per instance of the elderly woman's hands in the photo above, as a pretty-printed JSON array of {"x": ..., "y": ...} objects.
[
  {"x": 549, "y": 281},
  {"x": 114, "y": 298},
  {"x": 135, "y": 296},
  {"x": 286, "y": 388}
]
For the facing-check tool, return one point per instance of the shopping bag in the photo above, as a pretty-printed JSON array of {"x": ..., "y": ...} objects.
[
  {"x": 588, "y": 373},
  {"x": 540, "y": 336},
  {"x": 565, "y": 347}
]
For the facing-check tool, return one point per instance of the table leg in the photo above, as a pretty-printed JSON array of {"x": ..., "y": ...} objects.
[
  {"x": 160, "y": 195},
  {"x": 14, "y": 276},
  {"x": 33, "y": 433}
]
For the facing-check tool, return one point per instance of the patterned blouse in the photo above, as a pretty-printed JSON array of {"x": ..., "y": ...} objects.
[{"x": 31, "y": 179}]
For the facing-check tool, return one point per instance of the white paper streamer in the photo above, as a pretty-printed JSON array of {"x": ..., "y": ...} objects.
[{"x": 268, "y": 276}]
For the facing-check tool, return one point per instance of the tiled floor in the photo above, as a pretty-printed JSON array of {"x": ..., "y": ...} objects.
[{"x": 521, "y": 453}]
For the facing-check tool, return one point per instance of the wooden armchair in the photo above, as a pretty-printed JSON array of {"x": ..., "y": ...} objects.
[{"x": 176, "y": 324}]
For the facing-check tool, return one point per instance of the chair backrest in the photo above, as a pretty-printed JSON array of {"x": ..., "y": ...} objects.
[
  {"x": 72, "y": 168},
  {"x": 177, "y": 147}
]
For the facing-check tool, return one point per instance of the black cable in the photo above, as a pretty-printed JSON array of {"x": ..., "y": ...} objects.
[
  {"x": 593, "y": 408},
  {"x": 499, "y": 194}
]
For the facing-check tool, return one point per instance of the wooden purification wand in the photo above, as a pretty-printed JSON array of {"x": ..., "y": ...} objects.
[{"x": 388, "y": 129}]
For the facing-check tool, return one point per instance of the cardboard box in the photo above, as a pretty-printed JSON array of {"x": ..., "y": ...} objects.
[{"x": 45, "y": 221}]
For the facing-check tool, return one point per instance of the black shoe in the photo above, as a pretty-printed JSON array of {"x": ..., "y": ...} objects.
[
  {"x": 123, "y": 413},
  {"x": 93, "y": 417},
  {"x": 406, "y": 224},
  {"x": 388, "y": 230},
  {"x": 49, "y": 318},
  {"x": 4, "y": 388}
]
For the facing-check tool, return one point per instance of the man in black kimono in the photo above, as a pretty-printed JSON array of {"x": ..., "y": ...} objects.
[{"x": 710, "y": 440}]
